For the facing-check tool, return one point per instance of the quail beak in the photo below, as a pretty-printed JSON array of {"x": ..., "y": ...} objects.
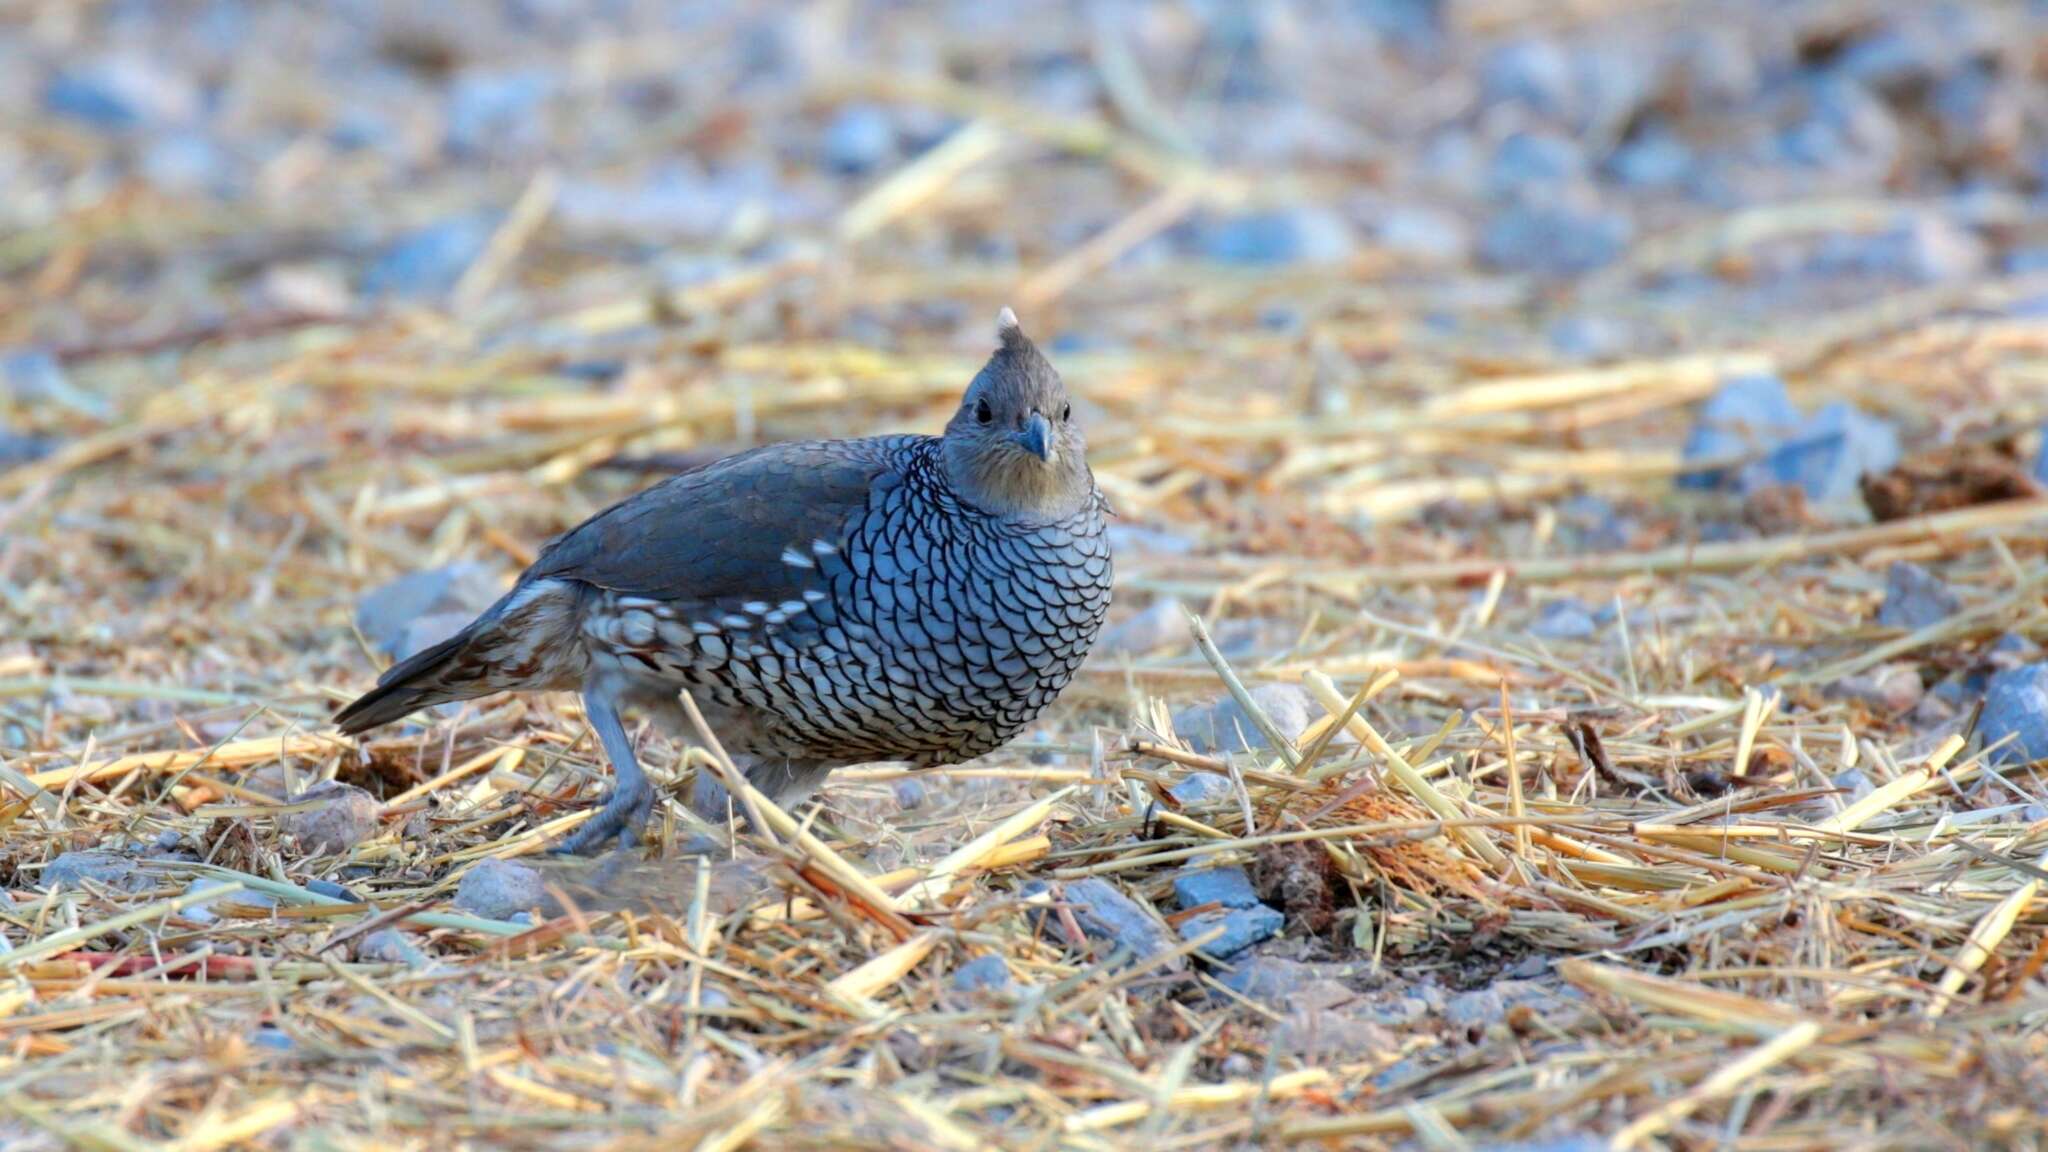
[{"x": 1036, "y": 437}]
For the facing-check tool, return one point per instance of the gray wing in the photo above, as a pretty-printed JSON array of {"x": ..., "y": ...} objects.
[{"x": 730, "y": 530}]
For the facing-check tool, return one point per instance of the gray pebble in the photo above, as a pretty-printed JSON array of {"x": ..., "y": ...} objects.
[
  {"x": 1229, "y": 887},
  {"x": 1242, "y": 928},
  {"x": 391, "y": 946},
  {"x": 1222, "y": 727},
  {"x": 1914, "y": 598},
  {"x": 410, "y": 613},
  {"x": 499, "y": 889},
  {"x": 1105, "y": 913},
  {"x": 106, "y": 869},
  {"x": 985, "y": 974},
  {"x": 2016, "y": 705},
  {"x": 344, "y": 817}
]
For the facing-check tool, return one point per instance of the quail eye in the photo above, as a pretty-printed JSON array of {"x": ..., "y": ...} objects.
[
  {"x": 1066, "y": 412},
  {"x": 981, "y": 413}
]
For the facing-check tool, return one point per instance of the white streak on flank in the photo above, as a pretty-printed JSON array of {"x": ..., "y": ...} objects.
[
  {"x": 703, "y": 628},
  {"x": 796, "y": 559},
  {"x": 790, "y": 607},
  {"x": 757, "y": 607},
  {"x": 735, "y": 621},
  {"x": 813, "y": 596},
  {"x": 823, "y": 549}
]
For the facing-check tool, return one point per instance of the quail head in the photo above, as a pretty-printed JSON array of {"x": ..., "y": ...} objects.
[{"x": 825, "y": 603}]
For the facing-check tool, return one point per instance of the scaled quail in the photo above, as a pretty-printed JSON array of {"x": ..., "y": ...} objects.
[{"x": 825, "y": 602}]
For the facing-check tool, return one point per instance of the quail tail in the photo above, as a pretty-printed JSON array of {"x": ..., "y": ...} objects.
[{"x": 406, "y": 687}]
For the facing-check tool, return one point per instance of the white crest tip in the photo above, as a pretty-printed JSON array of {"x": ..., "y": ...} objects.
[{"x": 1006, "y": 321}]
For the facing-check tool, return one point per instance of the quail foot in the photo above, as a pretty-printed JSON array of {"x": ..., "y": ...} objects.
[{"x": 825, "y": 603}]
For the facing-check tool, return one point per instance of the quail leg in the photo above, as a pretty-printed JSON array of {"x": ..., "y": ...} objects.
[{"x": 631, "y": 801}]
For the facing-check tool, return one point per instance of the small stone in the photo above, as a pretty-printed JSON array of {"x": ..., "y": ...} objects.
[
  {"x": 1844, "y": 128},
  {"x": 1199, "y": 788},
  {"x": 1162, "y": 624},
  {"x": 910, "y": 794},
  {"x": 273, "y": 1038},
  {"x": 1926, "y": 247},
  {"x": 32, "y": 376},
  {"x": 203, "y": 913},
  {"x": 391, "y": 946},
  {"x": 2016, "y": 706},
  {"x": 1745, "y": 414},
  {"x": 1305, "y": 235},
  {"x": 1558, "y": 240},
  {"x": 1488, "y": 1006},
  {"x": 410, "y": 613},
  {"x": 343, "y": 817},
  {"x": 1424, "y": 232},
  {"x": 1222, "y": 727},
  {"x": 2041, "y": 458},
  {"x": 1567, "y": 619},
  {"x": 499, "y": 889},
  {"x": 19, "y": 448},
  {"x": 430, "y": 260},
  {"x": 1333, "y": 1036},
  {"x": 1530, "y": 70},
  {"x": 1654, "y": 157},
  {"x": 988, "y": 975},
  {"x": 492, "y": 112},
  {"x": 1853, "y": 783},
  {"x": 120, "y": 92},
  {"x": 860, "y": 139},
  {"x": 1914, "y": 598},
  {"x": 1242, "y": 928},
  {"x": 1533, "y": 162},
  {"x": 1229, "y": 887},
  {"x": 1589, "y": 336},
  {"x": 1827, "y": 454},
  {"x": 106, "y": 869},
  {"x": 183, "y": 162},
  {"x": 1893, "y": 688},
  {"x": 1105, "y": 913}
]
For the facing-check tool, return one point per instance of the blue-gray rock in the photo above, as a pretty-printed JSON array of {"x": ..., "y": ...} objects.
[
  {"x": 1229, "y": 887},
  {"x": 1162, "y": 624},
  {"x": 1242, "y": 928},
  {"x": 1717, "y": 67},
  {"x": 1105, "y": 913},
  {"x": 1530, "y": 70},
  {"x": 20, "y": 448},
  {"x": 984, "y": 974},
  {"x": 32, "y": 376},
  {"x": 1567, "y": 619},
  {"x": 430, "y": 260},
  {"x": 1424, "y": 232},
  {"x": 2016, "y": 706},
  {"x": 119, "y": 92},
  {"x": 860, "y": 139},
  {"x": 1827, "y": 454},
  {"x": 1558, "y": 240},
  {"x": 1589, "y": 336},
  {"x": 1534, "y": 164},
  {"x": 390, "y": 616},
  {"x": 1222, "y": 727},
  {"x": 1578, "y": 1143},
  {"x": 1654, "y": 157},
  {"x": 2041, "y": 458},
  {"x": 1745, "y": 415},
  {"x": 1201, "y": 788},
  {"x": 1303, "y": 235},
  {"x": 1844, "y": 129},
  {"x": 1914, "y": 598},
  {"x": 203, "y": 913},
  {"x": 271, "y": 1037},
  {"x": 106, "y": 869},
  {"x": 492, "y": 112},
  {"x": 391, "y": 946},
  {"x": 499, "y": 889},
  {"x": 185, "y": 162},
  {"x": 910, "y": 793},
  {"x": 1924, "y": 247}
]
